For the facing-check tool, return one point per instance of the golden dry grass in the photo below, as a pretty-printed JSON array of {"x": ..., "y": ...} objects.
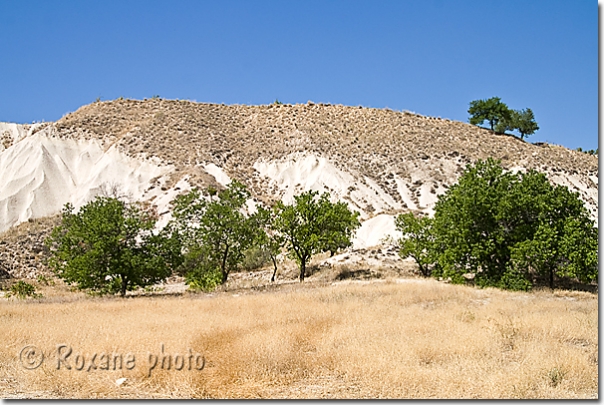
[{"x": 411, "y": 339}]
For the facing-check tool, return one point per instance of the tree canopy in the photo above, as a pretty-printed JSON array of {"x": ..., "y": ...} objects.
[
  {"x": 507, "y": 229},
  {"x": 491, "y": 110},
  {"x": 313, "y": 224},
  {"x": 522, "y": 121},
  {"x": 501, "y": 118},
  {"x": 267, "y": 237},
  {"x": 418, "y": 240},
  {"x": 108, "y": 246},
  {"x": 215, "y": 232}
]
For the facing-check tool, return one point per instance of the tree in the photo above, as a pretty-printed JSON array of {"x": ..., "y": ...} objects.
[
  {"x": 491, "y": 110},
  {"x": 417, "y": 240},
  {"x": 313, "y": 224},
  {"x": 108, "y": 247},
  {"x": 339, "y": 226},
  {"x": 579, "y": 245},
  {"x": 508, "y": 227},
  {"x": 540, "y": 253},
  {"x": 267, "y": 238},
  {"x": 215, "y": 231},
  {"x": 522, "y": 121}
]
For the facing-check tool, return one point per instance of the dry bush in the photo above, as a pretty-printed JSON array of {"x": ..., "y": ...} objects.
[{"x": 407, "y": 339}]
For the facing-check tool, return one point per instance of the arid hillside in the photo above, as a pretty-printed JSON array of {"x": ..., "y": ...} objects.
[
  {"x": 379, "y": 144},
  {"x": 382, "y": 162}
]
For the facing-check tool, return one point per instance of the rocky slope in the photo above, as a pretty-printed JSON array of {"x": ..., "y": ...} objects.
[{"x": 382, "y": 162}]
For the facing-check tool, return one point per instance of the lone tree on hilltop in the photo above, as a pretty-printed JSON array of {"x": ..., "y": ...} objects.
[
  {"x": 491, "y": 110},
  {"x": 109, "y": 247},
  {"x": 522, "y": 121},
  {"x": 313, "y": 224}
]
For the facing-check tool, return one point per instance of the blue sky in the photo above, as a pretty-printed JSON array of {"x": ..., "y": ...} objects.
[{"x": 431, "y": 57}]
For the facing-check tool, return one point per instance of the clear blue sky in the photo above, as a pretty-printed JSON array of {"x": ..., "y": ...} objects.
[{"x": 428, "y": 56}]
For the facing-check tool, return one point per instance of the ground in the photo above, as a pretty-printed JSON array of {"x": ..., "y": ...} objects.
[{"x": 341, "y": 334}]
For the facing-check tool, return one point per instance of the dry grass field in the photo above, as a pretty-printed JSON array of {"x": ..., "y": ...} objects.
[{"x": 393, "y": 338}]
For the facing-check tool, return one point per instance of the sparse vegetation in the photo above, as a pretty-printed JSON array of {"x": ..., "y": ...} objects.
[
  {"x": 340, "y": 133},
  {"x": 22, "y": 290},
  {"x": 593, "y": 152},
  {"x": 44, "y": 280}
]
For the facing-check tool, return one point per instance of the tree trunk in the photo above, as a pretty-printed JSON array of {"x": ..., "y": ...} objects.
[
  {"x": 123, "y": 287},
  {"x": 223, "y": 269},
  {"x": 551, "y": 279},
  {"x": 302, "y": 269},
  {"x": 274, "y": 259}
]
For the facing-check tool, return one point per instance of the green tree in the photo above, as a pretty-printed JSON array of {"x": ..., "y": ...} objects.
[
  {"x": 215, "y": 231},
  {"x": 508, "y": 227},
  {"x": 491, "y": 110},
  {"x": 417, "y": 240},
  {"x": 468, "y": 236},
  {"x": 313, "y": 224},
  {"x": 522, "y": 121},
  {"x": 540, "y": 254},
  {"x": 340, "y": 224},
  {"x": 579, "y": 246},
  {"x": 267, "y": 238},
  {"x": 109, "y": 247}
]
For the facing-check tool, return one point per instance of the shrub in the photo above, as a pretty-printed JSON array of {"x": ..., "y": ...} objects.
[
  {"x": 255, "y": 258},
  {"x": 204, "y": 276},
  {"x": 22, "y": 290}
]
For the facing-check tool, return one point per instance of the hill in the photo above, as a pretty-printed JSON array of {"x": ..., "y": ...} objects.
[{"x": 382, "y": 162}]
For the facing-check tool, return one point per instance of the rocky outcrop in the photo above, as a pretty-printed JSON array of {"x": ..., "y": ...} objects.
[{"x": 22, "y": 250}]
